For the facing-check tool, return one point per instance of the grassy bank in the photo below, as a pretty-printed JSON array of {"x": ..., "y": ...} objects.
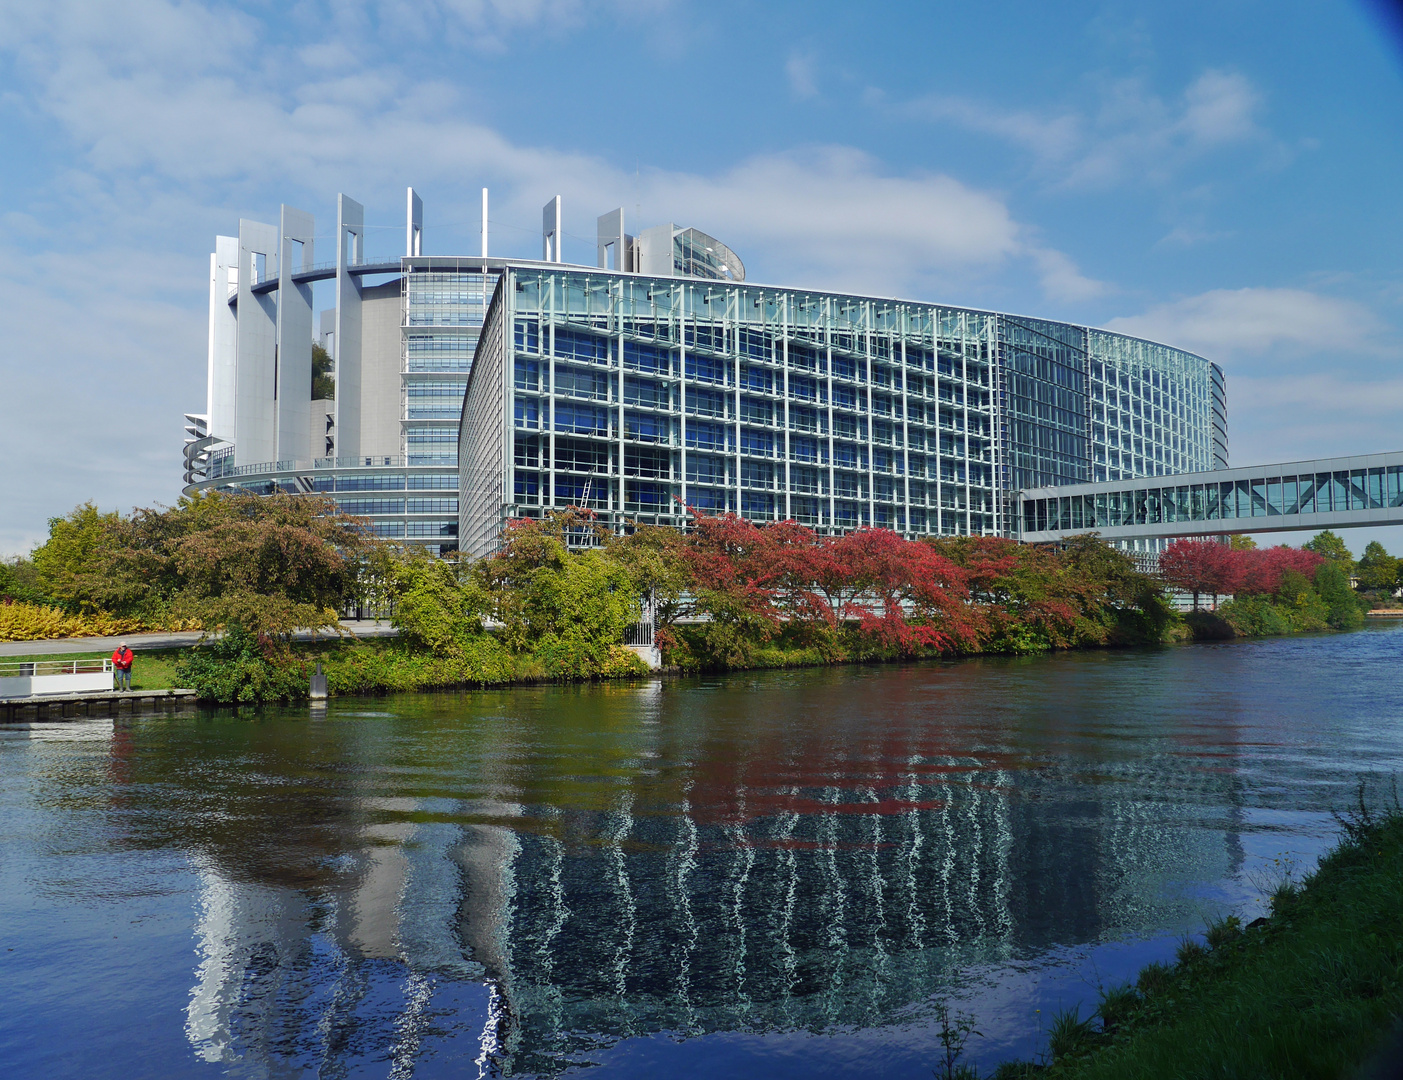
[
  {"x": 154, "y": 669},
  {"x": 1311, "y": 992}
]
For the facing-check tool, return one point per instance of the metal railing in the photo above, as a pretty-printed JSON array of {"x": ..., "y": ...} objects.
[{"x": 26, "y": 669}]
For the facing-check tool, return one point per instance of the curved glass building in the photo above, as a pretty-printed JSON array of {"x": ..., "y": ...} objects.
[{"x": 471, "y": 389}]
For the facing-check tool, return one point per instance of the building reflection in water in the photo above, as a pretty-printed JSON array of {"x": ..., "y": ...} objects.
[{"x": 685, "y": 884}]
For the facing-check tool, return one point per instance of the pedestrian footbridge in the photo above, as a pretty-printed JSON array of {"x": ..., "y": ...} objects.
[{"x": 1328, "y": 493}]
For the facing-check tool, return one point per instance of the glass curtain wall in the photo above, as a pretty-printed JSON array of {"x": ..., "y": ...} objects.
[
  {"x": 639, "y": 397},
  {"x": 1154, "y": 410},
  {"x": 1045, "y": 402},
  {"x": 443, "y": 314}
]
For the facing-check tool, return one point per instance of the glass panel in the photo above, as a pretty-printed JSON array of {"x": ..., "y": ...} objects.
[
  {"x": 1274, "y": 497},
  {"x": 1259, "y": 498},
  {"x": 1306, "y": 495},
  {"x": 1339, "y": 491}
]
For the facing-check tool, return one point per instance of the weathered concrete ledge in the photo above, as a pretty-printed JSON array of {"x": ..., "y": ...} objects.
[{"x": 57, "y": 706}]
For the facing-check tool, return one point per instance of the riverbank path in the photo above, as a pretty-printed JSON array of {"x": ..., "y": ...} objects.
[{"x": 361, "y": 628}]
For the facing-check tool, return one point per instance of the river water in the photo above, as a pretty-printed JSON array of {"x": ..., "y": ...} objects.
[{"x": 778, "y": 874}]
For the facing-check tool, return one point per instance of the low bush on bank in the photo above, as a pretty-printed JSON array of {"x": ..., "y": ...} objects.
[
  {"x": 42, "y": 622},
  {"x": 240, "y": 671},
  {"x": 1311, "y": 992}
]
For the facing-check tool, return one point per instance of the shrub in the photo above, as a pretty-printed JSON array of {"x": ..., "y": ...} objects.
[
  {"x": 1154, "y": 978},
  {"x": 38, "y": 622},
  {"x": 1190, "y": 951},
  {"x": 237, "y": 669},
  {"x": 1069, "y": 1034},
  {"x": 1223, "y": 932},
  {"x": 1117, "y": 1004}
]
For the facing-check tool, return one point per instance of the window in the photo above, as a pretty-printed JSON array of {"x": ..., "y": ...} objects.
[
  {"x": 705, "y": 402},
  {"x": 360, "y": 507},
  {"x": 706, "y": 368},
  {"x": 580, "y": 419},
  {"x": 706, "y": 436},
  {"x": 387, "y": 482},
  {"x": 753, "y": 441},
  {"x": 432, "y": 506}
]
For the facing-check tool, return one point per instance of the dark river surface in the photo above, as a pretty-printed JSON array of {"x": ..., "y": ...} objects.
[{"x": 776, "y": 874}]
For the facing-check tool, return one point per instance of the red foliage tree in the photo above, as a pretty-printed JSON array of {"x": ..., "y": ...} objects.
[
  {"x": 903, "y": 593},
  {"x": 1259, "y": 571},
  {"x": 1202, "y": 566}
]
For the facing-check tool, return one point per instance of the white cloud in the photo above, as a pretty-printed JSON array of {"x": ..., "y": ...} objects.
[
  {"x": 1129, "y": 135},
  {"x": 831, "y": 215},
  {"x": 1060, "y": 278},
  {"x": 1219, "y": 108},
  {"x": 1233, "y": 323},
  {"x": 1049, "y": 137},
  {"x": 801, "y": 69},
  {"x": 1278, "y": 417},
  {"x": 1187, "y": 236}
]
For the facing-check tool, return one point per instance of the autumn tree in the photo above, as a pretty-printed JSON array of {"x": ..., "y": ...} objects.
[
  {"x": 1199, "y": 567},
  {"x": 908, "y": 596},
  {"x": 734, "y": 578},
  {"x": 268, "y": 564}
]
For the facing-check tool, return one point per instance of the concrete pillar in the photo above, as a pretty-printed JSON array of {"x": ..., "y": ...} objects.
[
  {"x": 350, "y": 249},
  {"x": 294, "y": 355},
  {"x": 551, "y": 231},
  {"x": 414, "y": 226},
  {"x": 223, "y": 337},
  {"x": 255, "y": 420}
]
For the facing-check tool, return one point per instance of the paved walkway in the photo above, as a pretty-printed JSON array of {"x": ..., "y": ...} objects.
[{"x": 360, "y": 627}]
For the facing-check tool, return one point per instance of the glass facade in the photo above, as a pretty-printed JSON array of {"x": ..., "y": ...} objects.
[
  {"x": 638, "y": 397},
  {"x": 1154, "y": 410},
  {"x": 1045, "y": 414}
]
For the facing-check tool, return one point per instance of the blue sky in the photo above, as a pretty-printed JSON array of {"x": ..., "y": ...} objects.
[{"x": 1223, "y": 177}]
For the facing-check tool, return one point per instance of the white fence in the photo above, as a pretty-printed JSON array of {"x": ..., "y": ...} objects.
[{"x": 34, "y": 678}]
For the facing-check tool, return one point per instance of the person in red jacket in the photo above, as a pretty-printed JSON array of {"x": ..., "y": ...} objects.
[{"x": 122, "y": 665}]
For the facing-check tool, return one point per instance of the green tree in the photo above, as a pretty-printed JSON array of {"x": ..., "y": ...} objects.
[
  {"x": 570, "y": 610},
  {"x": 1239, "y": 542},
  {"x": 1378, "y": 570},
  {"x": 439, "y": 604},
  {"x": 655, "y": 558},
  {"x": 19, "y": 581},
  {"x": 74, "y": 565},
  {"x": 1341, "y": 602},
  {"x": 1329, "y": 546},
  {"x": 323, "y": 373}
]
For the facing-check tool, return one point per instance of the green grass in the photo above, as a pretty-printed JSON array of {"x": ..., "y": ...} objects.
[{"x": 1310, "y": 994}]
